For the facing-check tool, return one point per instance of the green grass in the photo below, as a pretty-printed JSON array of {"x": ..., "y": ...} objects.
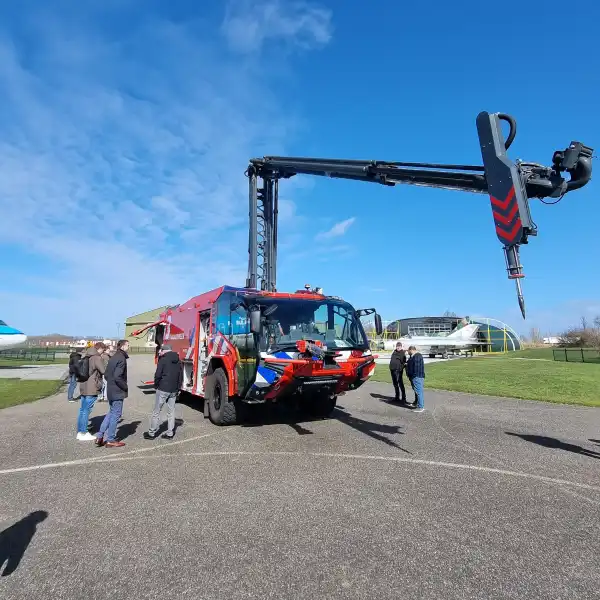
[
  {"x": 529, "y": 353},
  {"x": 571, "y": 383},
  {"x": 20, "y": 391}
]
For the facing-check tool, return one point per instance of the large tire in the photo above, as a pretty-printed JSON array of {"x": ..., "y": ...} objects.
[
  {"x": 321, "y": 406},
  {"x": 222, "y": 409}
]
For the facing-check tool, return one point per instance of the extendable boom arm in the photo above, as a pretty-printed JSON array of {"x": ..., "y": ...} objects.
[{"x": 509, "y": 185}]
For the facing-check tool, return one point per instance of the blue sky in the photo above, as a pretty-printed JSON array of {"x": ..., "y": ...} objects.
[{"x": 126, "y": 127}]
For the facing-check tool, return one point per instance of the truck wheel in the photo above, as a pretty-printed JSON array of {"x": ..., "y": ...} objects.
[
  {"x": 322, "y": 406},
  {"x": 222, "y": 409}
]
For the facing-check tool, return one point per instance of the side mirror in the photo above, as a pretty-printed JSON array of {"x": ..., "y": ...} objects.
[
  {"x": 378, "y": 324},
  {"x": 255, "y": 319}
]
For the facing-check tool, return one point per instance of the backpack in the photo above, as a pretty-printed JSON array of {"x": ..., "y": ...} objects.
[{"x": 82, "y": 369}]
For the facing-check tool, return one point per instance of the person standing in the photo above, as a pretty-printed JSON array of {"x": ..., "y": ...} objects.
[
  {"x": 90, "y": 386},
  {"x": 167, "y": 381},
  {"x": 397, "y": 366},
  {"x": 116, "y": 392},
  {"x": 74, "y": 358},
  {"x": 105, "y": 357},
  {"x": 415, "y": 369}
]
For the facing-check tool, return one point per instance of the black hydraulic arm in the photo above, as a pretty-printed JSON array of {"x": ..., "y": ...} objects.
[{"x": 509, "y": 185}]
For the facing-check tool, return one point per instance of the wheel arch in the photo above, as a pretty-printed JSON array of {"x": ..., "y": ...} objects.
[{"x": 218, "y": 363}]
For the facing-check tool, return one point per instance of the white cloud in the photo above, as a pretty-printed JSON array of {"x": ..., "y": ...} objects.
[
  {"x": 248, "y": 24},
  {"x": 123, "y": 167},
  {"x": 338, "y": 230}
]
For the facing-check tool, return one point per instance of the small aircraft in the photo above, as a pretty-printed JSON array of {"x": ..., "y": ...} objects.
[
  {"x": 10, "y": 337},
  {"x": 460, "y": 339}
]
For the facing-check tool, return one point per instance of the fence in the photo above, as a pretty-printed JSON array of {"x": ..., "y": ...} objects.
[
  {"x": 581, "y": 355},
  {"x": 33, "y": 355}
]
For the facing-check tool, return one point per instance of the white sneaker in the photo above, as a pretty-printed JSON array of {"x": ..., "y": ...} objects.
[
  {"x": 85, "y": 437},
  {"x": 419, "y": 410}
]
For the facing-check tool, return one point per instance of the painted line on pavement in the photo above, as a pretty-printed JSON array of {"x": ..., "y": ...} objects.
[{"x": 83, "y": 461}]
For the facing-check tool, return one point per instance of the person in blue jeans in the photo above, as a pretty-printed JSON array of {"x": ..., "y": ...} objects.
[
  {"x": 89, "y": 389},
  {"x": 415, "y": 369},
  {"x": 116, "y": 392},
  {"x": 73, "y": 358}
]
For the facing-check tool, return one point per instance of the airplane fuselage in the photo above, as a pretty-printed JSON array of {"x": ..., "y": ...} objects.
[{"x": 10, "y": 337}]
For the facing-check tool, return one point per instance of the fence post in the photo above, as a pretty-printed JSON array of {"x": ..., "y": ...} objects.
[
  {"x": 566, "y": 356},
  {"x": 582, "y": 357}
]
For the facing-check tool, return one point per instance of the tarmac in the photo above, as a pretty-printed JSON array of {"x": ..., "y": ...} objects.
[
  {"x": 39, "y": 372},
  {"x": 477, "y": 497}
]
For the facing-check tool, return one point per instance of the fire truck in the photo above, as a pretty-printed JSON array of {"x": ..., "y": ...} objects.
[
  {"x": 256, "y": 344},
  {"x": 243, "y": 346}
]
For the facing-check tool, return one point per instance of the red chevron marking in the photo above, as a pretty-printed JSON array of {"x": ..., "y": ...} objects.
[
  {"x": 503, "y": 204},
  {"x": 509, "y": 235},
  {"x": 506, "y": 220}
]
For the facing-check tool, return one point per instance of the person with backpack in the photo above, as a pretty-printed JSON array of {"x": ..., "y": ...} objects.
[
  {"x": 167, "y": 381},
  {"x": 116, "y": 391},
  {"x": 74, "y": 358},
  {"x": 89, "y": 371}
]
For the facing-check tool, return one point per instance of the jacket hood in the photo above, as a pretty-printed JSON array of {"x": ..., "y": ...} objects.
[
  {"x": 91, "y": 352},
  {"x": 171, "y": 357}
]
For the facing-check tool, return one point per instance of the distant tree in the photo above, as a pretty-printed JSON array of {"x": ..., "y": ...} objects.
[
  {"x": 449, "y": 313},
  {"x": 584, "y": 323},
  {"x": 579, "y": 337},
  {"x": 597, "y": 322},
  {"x": 535, "y": 336}
]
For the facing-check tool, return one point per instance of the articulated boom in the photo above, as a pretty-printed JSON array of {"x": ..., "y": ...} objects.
[{"x": 509, "y": 184}]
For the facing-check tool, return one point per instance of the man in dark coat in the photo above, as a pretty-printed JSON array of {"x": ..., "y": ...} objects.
[
  {"x": 167, "y": 381},
  {"x": 74, "y": 358},
  {"x": 415, "y": 369},
  {"x": 116, "y": 392},
  {"x": 397, "y": 365}
]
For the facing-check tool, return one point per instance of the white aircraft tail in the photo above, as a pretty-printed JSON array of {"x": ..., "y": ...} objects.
[{"x": 464, "y": 333}]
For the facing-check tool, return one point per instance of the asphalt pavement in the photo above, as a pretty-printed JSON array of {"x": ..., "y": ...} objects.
[{"x": 474, "y": 498}]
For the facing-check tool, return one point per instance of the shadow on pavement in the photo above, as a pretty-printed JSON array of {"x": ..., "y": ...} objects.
[
  {"x": 548, "y": 442},
  {"x": 127, "y": 429},
  {"x": 373, "y": 430},
  {"x": 15, "y": 540},
  {"x": 124, "y": 430},
  {"x": 391, "y": 400}
]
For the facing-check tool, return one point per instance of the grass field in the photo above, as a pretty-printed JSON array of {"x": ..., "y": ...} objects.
[
  {"x": 529, "y": 353},
  {"x": 571, "y": 383},
  {"x": 20, "y": 391}
]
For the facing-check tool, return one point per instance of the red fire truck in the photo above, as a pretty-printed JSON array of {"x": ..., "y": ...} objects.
[{"x": 243, "y": 346}]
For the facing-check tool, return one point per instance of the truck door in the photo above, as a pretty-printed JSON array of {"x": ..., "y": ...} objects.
[
  {"x": 243, "y": 341},
  {"x": 202, "y": 350}
]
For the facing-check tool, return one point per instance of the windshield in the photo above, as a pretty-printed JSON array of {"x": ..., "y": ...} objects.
[
  {"x": 333, "y": 322},
  {"x": 3, "y": 323}
]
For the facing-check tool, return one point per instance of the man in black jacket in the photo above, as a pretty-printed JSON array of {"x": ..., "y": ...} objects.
[
  {"x": 397, "y": 364},
  {"x": 167, "y": 381},
  {"x": 74, "y": 358},
  {"x": 116, "y": 392},
  {"x": 415, "y": 369}
]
